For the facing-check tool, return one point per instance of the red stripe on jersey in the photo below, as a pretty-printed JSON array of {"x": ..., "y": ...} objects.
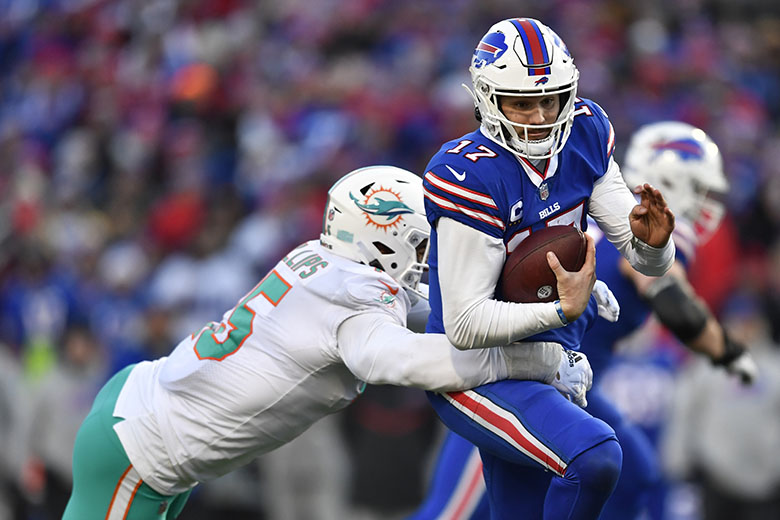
[
  {"x": 459, "y": 191},
  {"x": 469, "y": 212}
]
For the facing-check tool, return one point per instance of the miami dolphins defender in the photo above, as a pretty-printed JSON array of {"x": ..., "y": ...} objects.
[
  {"x": 688, "y": 164},
  {"x": 540, "y": 157},
  {"x": 328, "y": 319}
]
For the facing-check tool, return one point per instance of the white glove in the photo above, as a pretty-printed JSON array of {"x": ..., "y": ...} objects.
[
  {"x": 737, "y": 360},
  {"x": 574, "y": 377},
  {"x": 743, "y": 367},
  {"x": 609, "y": 308}
]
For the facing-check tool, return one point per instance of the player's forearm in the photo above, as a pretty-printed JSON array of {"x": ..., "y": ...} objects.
[
  {"x": 470, "y": 263},
  {"x": 710, "y": 341},
  {"x": 491, "y": 322},
  {"x": 385, "y": 353},
  {"x": 610, "y": 204}
]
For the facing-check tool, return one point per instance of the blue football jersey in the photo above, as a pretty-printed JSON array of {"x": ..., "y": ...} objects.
[{"x": 480, "y": 184}]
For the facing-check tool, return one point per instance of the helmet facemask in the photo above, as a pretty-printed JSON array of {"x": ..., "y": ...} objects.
[
  {"x": 505, "y": 131},
  {"x": 523, "y": 58}
]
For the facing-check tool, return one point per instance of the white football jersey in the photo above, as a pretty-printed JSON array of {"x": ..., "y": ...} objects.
[{"x": 257, "y": 379}]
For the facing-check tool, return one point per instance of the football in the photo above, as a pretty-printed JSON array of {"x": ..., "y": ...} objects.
[{"x": 527, "y": 278}]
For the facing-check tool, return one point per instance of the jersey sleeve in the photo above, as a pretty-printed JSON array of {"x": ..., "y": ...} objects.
[
  {"x": 377, "y": 293},
  {"x": 600, "y": 133},
  {"x": 457, "y": 190},
  {"x": 378, "y": 351}
]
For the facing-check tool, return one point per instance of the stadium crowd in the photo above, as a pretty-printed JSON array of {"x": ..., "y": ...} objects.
[{"x": 157, "y": 155}]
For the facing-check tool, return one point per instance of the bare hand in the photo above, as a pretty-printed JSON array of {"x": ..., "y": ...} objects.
[
  {"x": 651, "y": 220},
  {"x": 574, "y": 287}
]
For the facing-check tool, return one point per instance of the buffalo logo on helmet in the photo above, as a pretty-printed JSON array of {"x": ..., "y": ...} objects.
[
  {"x": 491, "y": 47},
  {"x": 687, "y": 149},
  {"x": 382, "y": 208}
]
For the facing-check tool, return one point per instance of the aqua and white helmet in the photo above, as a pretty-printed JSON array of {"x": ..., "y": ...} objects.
[
  {"x": 684, "y": 163},
  {"x": 523, "y": 57},
  {"x": 375, "y": 216}
]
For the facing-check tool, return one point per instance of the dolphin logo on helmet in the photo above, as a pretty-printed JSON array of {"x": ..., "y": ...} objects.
[{"x": 383, "y": 208}]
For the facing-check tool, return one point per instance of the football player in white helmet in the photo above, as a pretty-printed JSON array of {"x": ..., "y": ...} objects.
[
  {"x": 328, "y": 318},
  {"x": 540, "y": 157},
  {"x": 686, "y": 164}
]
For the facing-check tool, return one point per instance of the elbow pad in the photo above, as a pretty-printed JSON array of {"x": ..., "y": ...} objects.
[{"x": 679, "y": 310}]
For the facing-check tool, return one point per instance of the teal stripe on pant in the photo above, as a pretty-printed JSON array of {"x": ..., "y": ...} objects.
[{"x": 99, "y": 462}]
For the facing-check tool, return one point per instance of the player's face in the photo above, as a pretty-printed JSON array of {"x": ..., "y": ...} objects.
[{"x": 532, "y": 110}]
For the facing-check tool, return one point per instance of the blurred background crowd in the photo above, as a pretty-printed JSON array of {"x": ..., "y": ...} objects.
[{"x": 158, "y": 156}]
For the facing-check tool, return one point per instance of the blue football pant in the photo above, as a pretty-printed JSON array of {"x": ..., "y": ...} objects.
[
  {"x": 528, "y": 428},
  {"x": 640, "y": 472}
]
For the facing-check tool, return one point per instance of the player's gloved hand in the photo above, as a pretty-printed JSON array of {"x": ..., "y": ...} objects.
[
  {"x": 574, "y": 377},
  {"x": 609, "y": 308},
  {"x": 737, "y": 360}
]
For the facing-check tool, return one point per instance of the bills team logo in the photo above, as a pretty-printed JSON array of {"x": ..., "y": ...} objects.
[
  {"x": 687, "y": 149},
  {"x": 541, "y": 81},
  {"x": 489, "y": 49},
  {"x": 382, "y": 208}
]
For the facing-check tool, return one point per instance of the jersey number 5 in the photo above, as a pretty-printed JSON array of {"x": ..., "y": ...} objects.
[{"x": 225, "y": 340}]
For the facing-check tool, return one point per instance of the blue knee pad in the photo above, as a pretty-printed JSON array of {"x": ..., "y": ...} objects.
[
  {"x": 598, "y": 468},
  {"x": 588, "y": 483}
]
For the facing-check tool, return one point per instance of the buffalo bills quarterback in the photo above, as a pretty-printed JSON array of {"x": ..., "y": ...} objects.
[
  {"x": 540, "y": 157},
  {"x": 688, "y": 164}
]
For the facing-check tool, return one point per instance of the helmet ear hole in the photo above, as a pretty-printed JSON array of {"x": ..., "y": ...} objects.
[{"x": 383, "y": 248}]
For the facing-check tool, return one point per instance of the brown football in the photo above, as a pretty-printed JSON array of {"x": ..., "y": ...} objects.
[{"x": 527, "y": 278}]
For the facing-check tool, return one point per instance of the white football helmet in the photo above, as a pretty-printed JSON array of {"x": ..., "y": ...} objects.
[
  {"x": 375, "y": 216},
  {"x": 523, "y": 57},
  {"x": 685, "y": 165}
]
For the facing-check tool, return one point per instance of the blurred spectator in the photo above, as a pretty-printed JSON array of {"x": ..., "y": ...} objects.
[
  {"x": 724, "y": 435},
  {"x": 307, "y": 478},
  {"x": 59, "y": 403},
  {"x": 388, "y": 431},
  {"x": 12, "y": 404}
]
